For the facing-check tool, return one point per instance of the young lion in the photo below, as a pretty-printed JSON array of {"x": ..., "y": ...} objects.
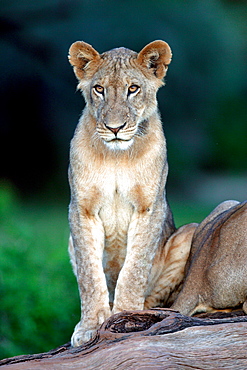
[{"x": 119, "y": 217}]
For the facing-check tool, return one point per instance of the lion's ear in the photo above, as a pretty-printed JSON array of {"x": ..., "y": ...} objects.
[
  {"x": 84, "y": 59},
  {"x": 156, "y": 57}
]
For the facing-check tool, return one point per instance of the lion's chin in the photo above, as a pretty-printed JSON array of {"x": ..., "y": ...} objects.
[{"x": 118, "y": 144}]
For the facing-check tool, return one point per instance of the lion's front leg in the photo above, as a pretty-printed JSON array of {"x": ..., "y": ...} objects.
[
  {"x": 144, "y": 238},
  {"x": 86, "y": 249}
]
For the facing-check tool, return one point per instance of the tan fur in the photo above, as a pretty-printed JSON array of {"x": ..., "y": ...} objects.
[
  {"x": 216, "y": 277},
  {"x": 119, "y": 217},
  {"x": 168, "y": 268}
]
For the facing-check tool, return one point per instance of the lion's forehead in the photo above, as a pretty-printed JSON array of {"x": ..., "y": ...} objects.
[
  {"x": 122, "y": 53},
  {"x": 119, "y": 66},
  {"x": 119, "y": 72}
]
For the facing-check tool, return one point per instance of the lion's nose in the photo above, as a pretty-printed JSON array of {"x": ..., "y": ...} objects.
[{"x": 115, "y": 130}]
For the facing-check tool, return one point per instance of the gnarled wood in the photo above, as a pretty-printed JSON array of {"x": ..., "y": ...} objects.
[{"x": 157, "y": 338}]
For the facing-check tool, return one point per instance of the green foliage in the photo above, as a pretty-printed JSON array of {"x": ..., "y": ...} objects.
[
  {"x": 185, "y": 213},
  {"x": 39, "y": 300}
]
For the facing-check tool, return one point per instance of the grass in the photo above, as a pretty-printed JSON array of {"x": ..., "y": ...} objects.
[{"x": 39, "y": 298}]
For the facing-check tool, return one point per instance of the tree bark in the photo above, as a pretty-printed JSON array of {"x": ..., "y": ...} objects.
[{"x": 152, "y": 339}]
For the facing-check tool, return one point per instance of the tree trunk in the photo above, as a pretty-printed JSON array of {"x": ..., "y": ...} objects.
[{"x": 152, "y": 339}]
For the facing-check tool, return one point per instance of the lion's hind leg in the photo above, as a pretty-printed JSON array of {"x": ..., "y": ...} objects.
[{"x": 169, "y": 268}]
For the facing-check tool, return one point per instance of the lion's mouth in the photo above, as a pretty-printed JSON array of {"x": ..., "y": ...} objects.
[
  {"x": 119, "y": 144},
  {"x": 117, "y": 139}
]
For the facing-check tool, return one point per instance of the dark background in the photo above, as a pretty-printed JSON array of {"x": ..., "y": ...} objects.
[{"x": 203, "y": 105}]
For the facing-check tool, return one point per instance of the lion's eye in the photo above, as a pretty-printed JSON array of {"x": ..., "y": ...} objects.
[
  {"x": 99, "y": 89},
  {"x": 133, "y": 88}
]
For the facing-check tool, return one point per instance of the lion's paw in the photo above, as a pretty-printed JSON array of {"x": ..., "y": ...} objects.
[{"x": 81, "y": 335}]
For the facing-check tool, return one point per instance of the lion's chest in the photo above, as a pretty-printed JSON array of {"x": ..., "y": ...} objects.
[
  {"x": 116, "y": 206},
  {"x": 115, "y": 214}
]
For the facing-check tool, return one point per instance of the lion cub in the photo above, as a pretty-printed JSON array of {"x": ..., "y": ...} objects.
[{"x": 119, "y": 216}]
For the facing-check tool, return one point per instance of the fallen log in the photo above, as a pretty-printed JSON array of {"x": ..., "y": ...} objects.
[{"x": 152, "y": 339}]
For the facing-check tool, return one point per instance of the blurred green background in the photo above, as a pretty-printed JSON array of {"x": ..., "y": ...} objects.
[{"x": 203, "y": 109}]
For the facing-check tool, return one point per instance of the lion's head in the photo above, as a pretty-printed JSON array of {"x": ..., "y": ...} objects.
[{"x": 120, "y": 87}]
